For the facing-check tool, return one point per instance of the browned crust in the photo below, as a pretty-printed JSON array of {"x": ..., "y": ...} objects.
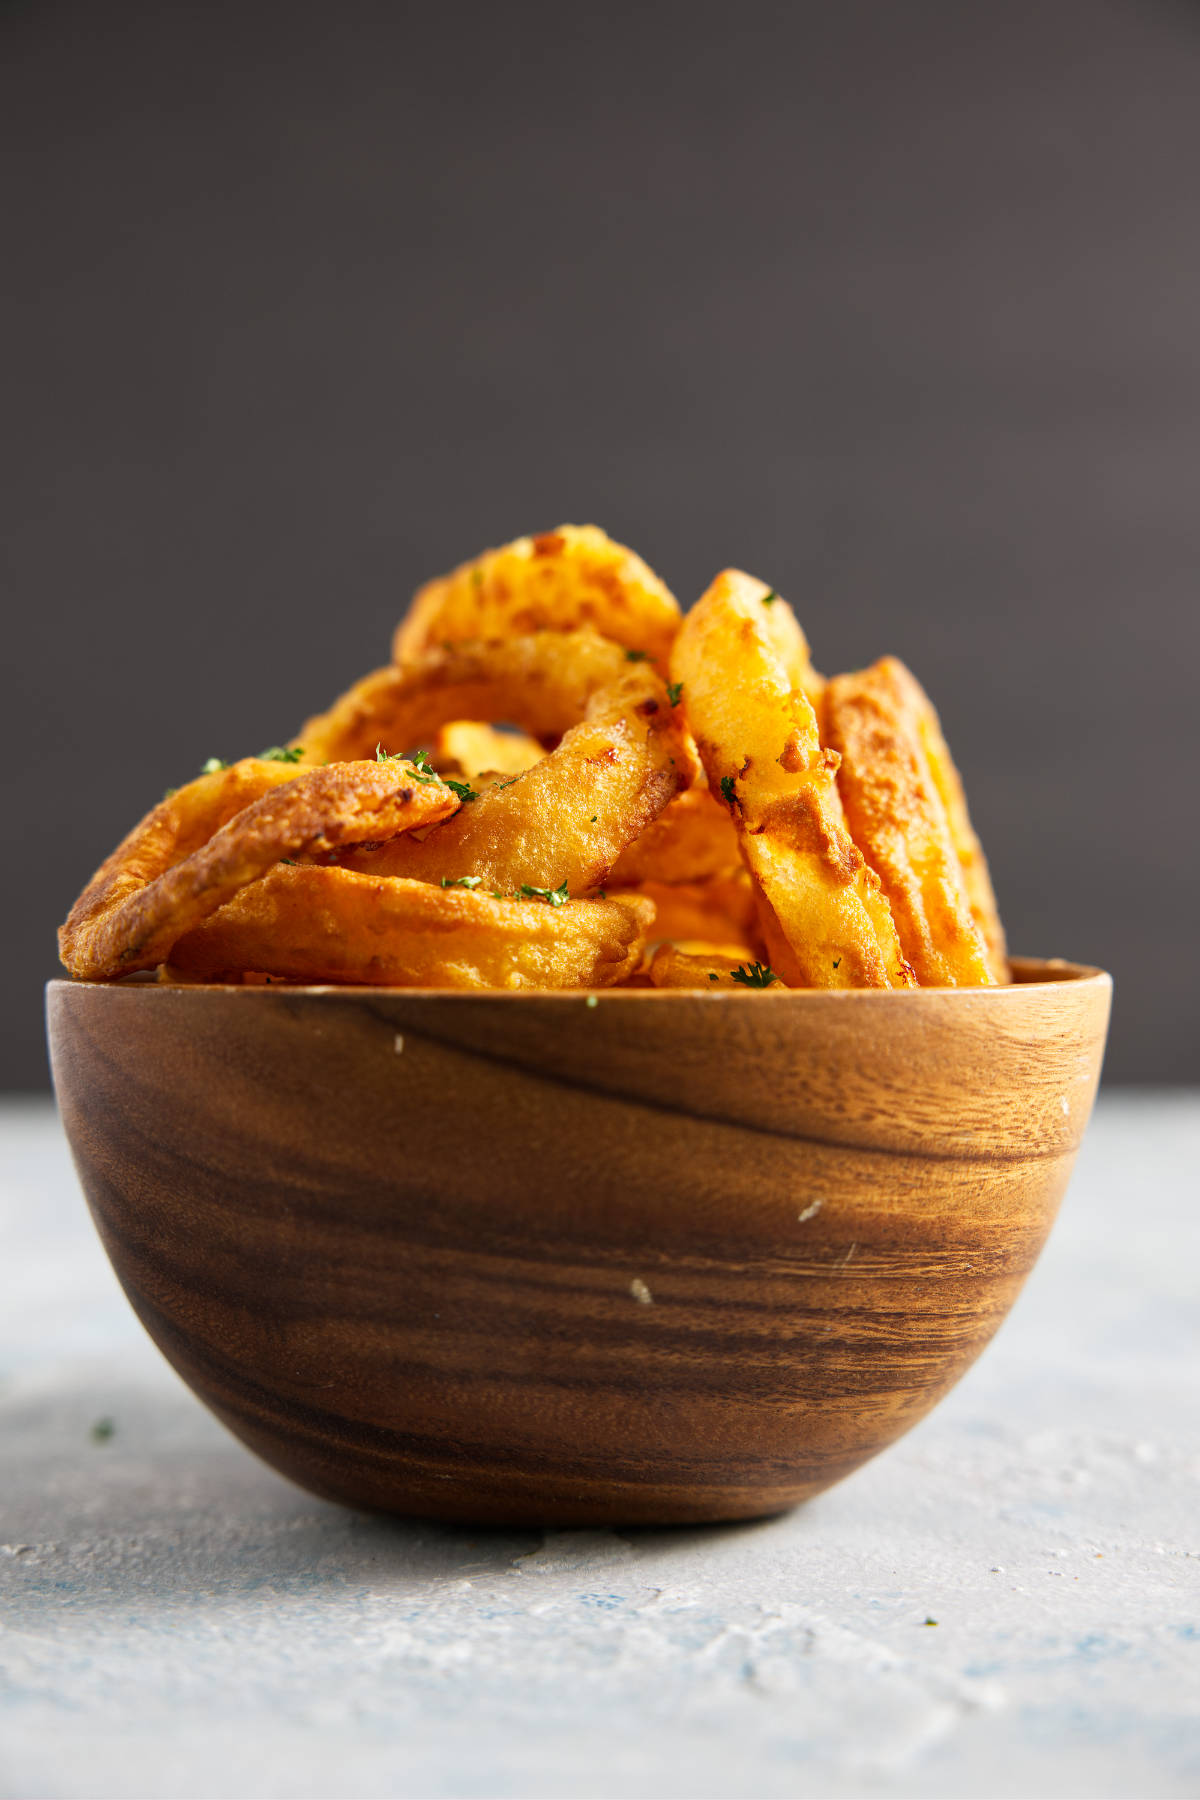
[
  {"x": 559, "y": 580},
  {"x": 198, "y": 848},
  {"x": 874, "y": 720},
  {"x": 330, "y": 924}
]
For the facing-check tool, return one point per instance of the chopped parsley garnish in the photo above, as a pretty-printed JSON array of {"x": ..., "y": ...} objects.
[
  {"x": 552, "y": 896},
  {"x": 930, "y": 1621},
  {"x": 464, "y": 881},
  {"x": 102, "y": 1430},
  {"x": 727, "y": 788},
  {"x": 713, "y": 977},
  {"x": 593, "y": 818},
  {"x": 281, "y": 753},
  {"x": 837, "y": 962},
  {"x": 754, "y": 975},
  {"x": 770, "y": 598},
  {"x": 463, "y": 789},
  {"x": 637, "y": 656},
  {"x": 170, "y": 793},
  {"x": 288, "y": 862},
  {"x": 423, "y": 769},
  {"x": 214, "y": 765},
  {"x": 674, "y": 689},
  {"x": 508, "y": 783}
]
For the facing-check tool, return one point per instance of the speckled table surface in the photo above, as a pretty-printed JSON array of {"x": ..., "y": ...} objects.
[{"x": 1006, "y": 1603}]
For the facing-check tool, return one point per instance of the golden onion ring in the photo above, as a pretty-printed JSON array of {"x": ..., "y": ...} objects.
[
  {"x": 331, "y": 924},
  {"x": 570, "y": 816},
  {"x": 194, "y": 851},
  {"x": 758, "y": 738},
  {"x": 558, "y": 581},
  {"x": 875, "y": 721}
]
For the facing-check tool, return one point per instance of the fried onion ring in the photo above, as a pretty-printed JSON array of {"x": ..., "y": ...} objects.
[
  {"x": 542, "y": 683},
  {"x": 759, "y": 741},
  {"x": 575, "y": 576},
  {"x": 194, "y": 851},
  {"x": 329, "y": 924},
  {"x": 874, "y": 720},
  {"x": 570, "y": 816}
]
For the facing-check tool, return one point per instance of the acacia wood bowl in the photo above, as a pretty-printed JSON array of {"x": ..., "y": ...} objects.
[{"x": 538, "y": 1259}]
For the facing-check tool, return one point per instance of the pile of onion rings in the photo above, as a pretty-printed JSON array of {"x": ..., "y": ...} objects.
[{"x": 562, "y": 782}]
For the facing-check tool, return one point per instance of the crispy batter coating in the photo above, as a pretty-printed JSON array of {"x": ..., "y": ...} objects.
[
  {"x": 542, "y": 683},
  {"x": 571, "y": 815},
  {"x": 328, "y": 924},
  {"x": 199, "y": 847},
  {"x": 561, "y": 580},
  {"x": 758, "y": 738},
  {"x": 895, "y": 810}
]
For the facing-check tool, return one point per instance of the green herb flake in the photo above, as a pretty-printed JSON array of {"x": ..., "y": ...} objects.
[
  {"x": 770, "y": 598},
  {"x": 283, "y": 753},
  {"x": 727, "y": 788},
  {"x": 288, "y": 862},
  {"x": 713, "y": 977},
  {"x": 170, "y": 793},
  {"x": 552, "y": 896},
  {"x": 929, "y": 1621},
  {"x": 102, "y": 1430},
  {"x": 637, "y": 656},
  {"x": 593, "y": 818},
  {"x": 837, "y": 962},
  {"x": 422, "y": 769},
  {"x": 496, "y": 894},
  {"x": 463, "y": 881},
  {"x": 466, "y": 793},
  {"x": 213, "y": 766},
  {"x": 754, "y": 975},
  {"x": 674, "y": 689}
]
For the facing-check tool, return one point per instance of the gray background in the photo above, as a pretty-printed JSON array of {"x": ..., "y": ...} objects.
[{"x": 898, "y": 306}]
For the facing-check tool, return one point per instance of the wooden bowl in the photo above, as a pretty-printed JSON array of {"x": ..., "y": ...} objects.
[{"x": 542, "y": 1259}]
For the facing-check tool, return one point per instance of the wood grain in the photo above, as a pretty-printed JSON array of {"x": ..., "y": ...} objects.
[{"x": 520, "y": 1258}]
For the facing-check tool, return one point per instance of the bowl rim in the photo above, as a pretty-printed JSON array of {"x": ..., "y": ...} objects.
[{"x": 1028, "y": 972}]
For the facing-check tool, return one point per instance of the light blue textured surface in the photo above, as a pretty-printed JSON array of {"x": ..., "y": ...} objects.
[{"x": 176, "y": 1621}]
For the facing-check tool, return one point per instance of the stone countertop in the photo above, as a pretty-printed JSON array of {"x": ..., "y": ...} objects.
[{"x": 1005, "y": 1603}]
